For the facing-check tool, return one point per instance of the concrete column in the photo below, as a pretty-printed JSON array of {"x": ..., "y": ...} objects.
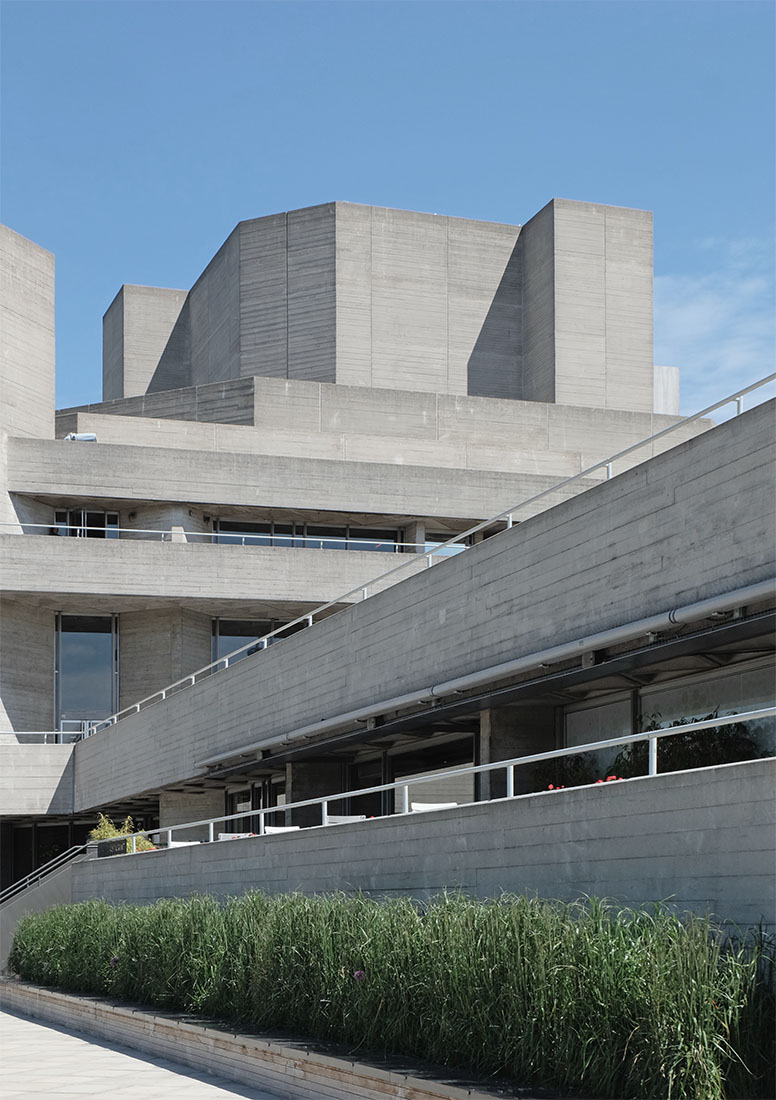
[
  {"x": 506, "y": 732},
  {"x": 587, "y": 306},
  {"x": 184, "y": 524},
  {"x": 415, "y": 532},
  {"x": 159, "y": 646},
  {"x": 311, "y": 780},
  {"x": 27, "y": 680},
  {"x": 667, "y": 390},
  {"x": 176, "y": 807}
]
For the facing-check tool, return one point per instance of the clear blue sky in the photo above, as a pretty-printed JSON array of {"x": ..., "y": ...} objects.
[{"x": 136, "y": 134}]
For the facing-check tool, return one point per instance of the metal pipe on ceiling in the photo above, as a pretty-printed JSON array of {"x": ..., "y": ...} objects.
[{"x": 614, "y": 636}]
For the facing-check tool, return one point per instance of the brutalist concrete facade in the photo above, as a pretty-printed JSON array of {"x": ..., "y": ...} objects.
[
  {"x": 558, "y": 310},
  {"x": 353, "y": 369}
]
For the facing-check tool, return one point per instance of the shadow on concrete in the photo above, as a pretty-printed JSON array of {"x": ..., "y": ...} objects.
[{"x": 495, "y": 364}]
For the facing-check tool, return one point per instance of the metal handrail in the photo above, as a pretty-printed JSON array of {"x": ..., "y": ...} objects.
[
  {"x": 42, "y": 736},
  {"x": 42, "y": 872},
  {"x": 227, "y": 538},
  {"x": 507, "y": 515},
  {"x": 403, "y": 785}
]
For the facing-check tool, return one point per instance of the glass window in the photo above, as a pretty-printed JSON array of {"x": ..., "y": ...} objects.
[
  {"x": 242, "y": 534},
  {"x": 422, "y": 761},
  {"x": 367, "y": 774},
  {"x": 232, "y": 634},
  {"x": 586, "y": 725},
  {"x": 282, "y": 534},
  {"x": 730, "y": 692},
  {"x": 239, "y": 801},
  {"x": 263, "y": 794},
  {"x": 86, "y": 669},
  {"x": 749, "y": 687},
  {"x": 326, "y": 538},
  {"x": 89, "y": 525},
  {"x": 598, "y": 723},
  {"x": 367, "y": 538},
  {"x": 306, "y": 535},
  {"x": 435, "y": 539}
]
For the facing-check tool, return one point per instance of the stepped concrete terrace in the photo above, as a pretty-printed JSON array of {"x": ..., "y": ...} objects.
[
  {"x": 316, "y": 419},
  {"x": 692, "y": 523}
]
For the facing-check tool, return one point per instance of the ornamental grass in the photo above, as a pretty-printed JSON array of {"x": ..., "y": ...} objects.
[{"x": 582, "y": 997}]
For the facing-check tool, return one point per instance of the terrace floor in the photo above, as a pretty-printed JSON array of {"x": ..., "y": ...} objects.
[{"x": 43, "y": 1061}]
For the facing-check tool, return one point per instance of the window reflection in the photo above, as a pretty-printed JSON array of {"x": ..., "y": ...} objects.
[
  {"x": 79, "y": 523},
  {"x": 307, "y": 535},
  {"x": 231, "y": 634},
  {"x": 245, "y": 534},
  {"x": 86, "y": 669},
  {"x": 437, "y": 539}
]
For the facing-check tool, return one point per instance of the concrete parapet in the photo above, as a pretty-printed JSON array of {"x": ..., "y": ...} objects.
[
  {"x": 300, "y": 418},
  {"x": 703, "y": 840}
]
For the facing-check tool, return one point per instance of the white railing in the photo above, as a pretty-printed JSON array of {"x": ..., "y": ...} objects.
[
  {"x": 402, "y": 787},
  {"x": 463, "y": 538}
]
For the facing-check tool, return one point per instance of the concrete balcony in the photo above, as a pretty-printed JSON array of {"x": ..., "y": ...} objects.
[
  {"x": 137, "y": 570},
  {"x": 54, "y": 471}
]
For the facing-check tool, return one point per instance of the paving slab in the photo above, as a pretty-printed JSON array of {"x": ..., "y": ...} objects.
[{"x": 42, "y": 1061}]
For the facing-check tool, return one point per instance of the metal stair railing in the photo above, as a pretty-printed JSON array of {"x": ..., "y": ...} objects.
[{"x": 34, "y": 877}]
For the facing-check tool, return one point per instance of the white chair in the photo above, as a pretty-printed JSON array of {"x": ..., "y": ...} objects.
[
  {"x": 234, "y": 836},
  {"x": 343, "y": 819},
  {"x": 281, "y": 829},
  {"x": 422, "y": 807}
]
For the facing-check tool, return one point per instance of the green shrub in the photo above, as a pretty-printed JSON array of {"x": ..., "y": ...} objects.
[
  {"x": 106, "y": 830},
  {"x": 575, "y": 997},
  {"x": 694, "y": 749}
]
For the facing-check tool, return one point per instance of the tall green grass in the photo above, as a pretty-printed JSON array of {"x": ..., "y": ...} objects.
[{"x": 581, "y": 997}]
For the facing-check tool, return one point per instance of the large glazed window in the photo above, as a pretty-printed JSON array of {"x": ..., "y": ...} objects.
[
  {"x": 81, "y": 524},
  {"x": 724, "y": 692},
  {"x": 231, "y": 634},
  {"x": 683, "y": 700},
  {"x": 306, "y": 535},
  {"x": 86, "y": 670},
  {"x": 586, "y": 724},
  {"x": 435, "y": 539},
  {"x": 242, "y": 534}
]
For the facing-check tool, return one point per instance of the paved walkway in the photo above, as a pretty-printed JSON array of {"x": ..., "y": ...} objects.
[{"x": 42, "y": 1061}]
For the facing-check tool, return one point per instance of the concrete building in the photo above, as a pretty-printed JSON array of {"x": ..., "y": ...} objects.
[{"x": 342, "y": 390}]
